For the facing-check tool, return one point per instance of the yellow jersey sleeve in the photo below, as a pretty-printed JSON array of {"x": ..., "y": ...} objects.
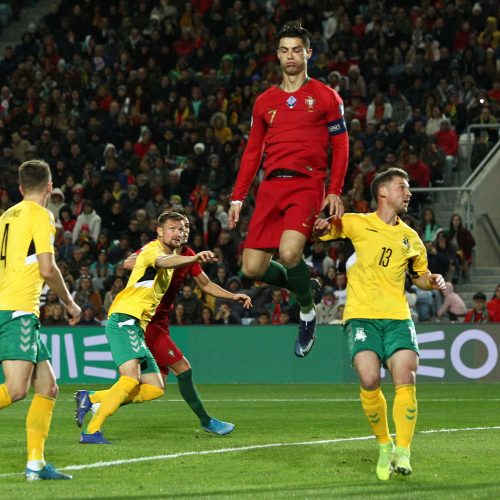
[
  {"x": 145, "y": 287},
  {"x": 376, "y": 272},
  {"x": 26, "y": 230}
]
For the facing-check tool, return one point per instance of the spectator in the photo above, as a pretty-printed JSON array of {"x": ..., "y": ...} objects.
[
  {"x": 261, "y": 319},
  {"x": 479, "y": 313},
  {"x": 88, "y": 316},
  {"x": 379, "y": 109},
  {"x": 56, "y": 203},
  {"x": 207, "y": 316},
  {"x": 178, "y": 316},
  {"x": 453, "y": 305},
  {"x": 462, "y": 238},
  {"x": 56, "y": 316},
  {"x": 224, "y": 315},
  {"x": 447, "y": 141},
  {"x": 116, "y": 287},
  {"x": 494, "y": 306},
  {"x": 326, "y": 310},
  {"x": 86, "y": 294},
  {"x": 88, "y": 216},
  {"x": 276, "y": 305},
  {"x": 430, "y": 227},
  {"x": 192, "y": 305}
]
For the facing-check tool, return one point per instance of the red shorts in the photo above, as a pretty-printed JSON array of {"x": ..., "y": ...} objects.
[
  {"x": 281, "y": 204},
  {"x": 162, "y": 346}
]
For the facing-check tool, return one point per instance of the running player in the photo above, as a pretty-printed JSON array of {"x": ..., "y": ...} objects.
[
  {"x": 293, "y": 126},
  {"x": 129, "y": 315},
  {"x": 27, "y": 233},
  {"x": 163, "y": 348},
  {"x": 377, "y": 319}
]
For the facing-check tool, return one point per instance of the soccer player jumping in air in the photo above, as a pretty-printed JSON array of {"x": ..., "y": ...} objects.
[
  {"x": 377, "y": 319},
  {"x": 165, "y": 351},
  {"x": 293, "y": 126},
  {"x": 27, "y": 233}
]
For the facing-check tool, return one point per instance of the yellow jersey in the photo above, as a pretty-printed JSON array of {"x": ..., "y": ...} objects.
[
  {"x": 145, "y": 287},
  {"x": 376, "y": 271},
  {"x": 26, "y": 230}
]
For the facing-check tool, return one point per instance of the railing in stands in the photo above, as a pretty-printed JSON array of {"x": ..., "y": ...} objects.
[
  {"x": 485, "y": 219},
  {"x": 463, "y": 193}
]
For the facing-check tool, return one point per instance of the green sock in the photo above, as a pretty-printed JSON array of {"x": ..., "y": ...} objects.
[
  {"x": 276, "y": 275},
  {"x": 190, "y": 394},
  {"x": 299, "y": 282}
]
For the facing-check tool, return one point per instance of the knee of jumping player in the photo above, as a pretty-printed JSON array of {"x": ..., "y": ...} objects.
[
  {"x": 290, "y": 257},
  {"x": 252, "y": 270}
]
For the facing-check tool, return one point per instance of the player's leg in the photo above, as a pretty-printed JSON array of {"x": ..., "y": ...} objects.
[
  {"x": 126, "y": 340},
  {"x": 401, "y": 347},
  {"x": 17, "y": 379},
  {"x": 158, "y": 341},
  {"x": 183, "y": 372},
  {"x": 403, "y": 366},
  {"x": 258, "y": 264},
  {"x": 366, "y": 351},
  {"x": 18, "y": 355},
  {"x": 39, "y": 419}
]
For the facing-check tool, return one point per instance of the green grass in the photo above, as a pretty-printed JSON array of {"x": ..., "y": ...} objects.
[{"x": 463, "y": 464}]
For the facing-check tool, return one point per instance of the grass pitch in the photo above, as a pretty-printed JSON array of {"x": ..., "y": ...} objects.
[{"x": 290, "y": 441}]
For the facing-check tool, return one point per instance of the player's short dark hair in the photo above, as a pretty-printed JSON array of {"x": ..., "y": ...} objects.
[
  {"x": 384, "y": 178},
  {"x": 169, "y": 215},
  {"x": 294, "y": 30},
  {"x": 34, "y": 175}
]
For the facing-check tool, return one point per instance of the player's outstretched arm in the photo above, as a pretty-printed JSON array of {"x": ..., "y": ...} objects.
[
  {"x": 53, "y": 277},
  {"x": 429, "y": 281},
  {"x": 174, "y": 261},
  {"x": 210, "y": 288}
]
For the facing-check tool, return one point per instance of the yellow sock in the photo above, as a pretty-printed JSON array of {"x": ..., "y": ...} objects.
[
  {"x": 147, "y": 392},
  {"x": 98, "y": 396},
  {"x": 139, "y": 394},
  {"x": 375, "y": 408},
  {"x": 404, "y": 413},
  {"x": 114, "y": 398},
  {"x": 4, "y": 397},
  {"x": 38, "y": 424}
]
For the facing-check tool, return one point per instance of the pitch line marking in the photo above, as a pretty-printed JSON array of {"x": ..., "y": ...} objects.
[{"x": 171, "y": 456}]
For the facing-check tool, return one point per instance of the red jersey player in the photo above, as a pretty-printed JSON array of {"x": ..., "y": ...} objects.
[
  {"x": 165, "y": 351},
  {"x": 293, "y": 125}
]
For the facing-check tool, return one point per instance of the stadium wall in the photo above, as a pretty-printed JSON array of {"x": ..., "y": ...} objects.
[{"x": 245, "y": 354}]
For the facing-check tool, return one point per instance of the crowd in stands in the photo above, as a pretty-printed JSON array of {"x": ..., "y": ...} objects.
[{"x": 142, "y": 106}]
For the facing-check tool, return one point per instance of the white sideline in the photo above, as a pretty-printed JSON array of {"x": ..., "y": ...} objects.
[{"x": 243, "y": 448}]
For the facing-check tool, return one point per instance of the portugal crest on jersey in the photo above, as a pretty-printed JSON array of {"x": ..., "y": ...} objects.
[{"x": 310, "y": 103}]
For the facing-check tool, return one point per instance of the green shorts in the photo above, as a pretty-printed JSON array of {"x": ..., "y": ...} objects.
[
  {"x": 20, "y": 339},
  {"x": 126, "y": 339},
  {"x": 382, "y": 336}
]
